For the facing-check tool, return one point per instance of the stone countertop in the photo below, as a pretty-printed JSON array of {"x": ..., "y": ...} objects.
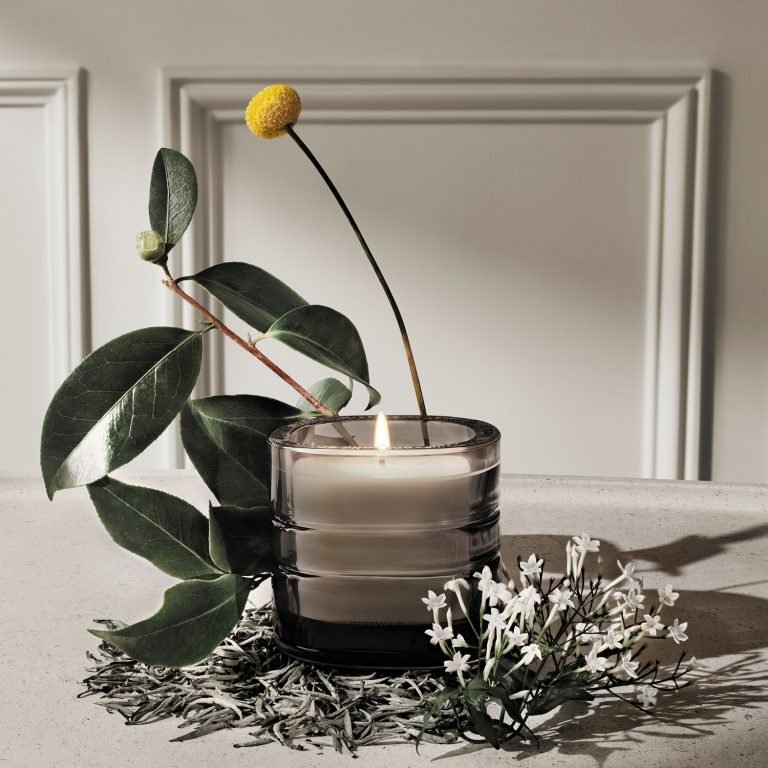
[{"x": 60, "y": 570}]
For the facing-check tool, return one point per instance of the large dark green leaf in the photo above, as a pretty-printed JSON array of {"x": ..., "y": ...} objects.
[
  {"x": 254, "y": 295},
  {"x": 484, "y": 725},
  {"x": 226, "y": 439},
  {"x": 552, "y": 697},
  {"x": 195, "y": 617},
  {"x": 164, "y": 529},
  {"x": 329, "y": 391},
  {"x": 328, "y": 337},
  {"x": 115, "y": 403},
  {"x": 172, "y": 195},
  {"x": 240, "y": 539},
  {"x": 229, "y": 482}
]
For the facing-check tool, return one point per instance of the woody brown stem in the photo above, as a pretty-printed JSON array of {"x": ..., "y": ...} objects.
[{"x": 171, "y": 284}]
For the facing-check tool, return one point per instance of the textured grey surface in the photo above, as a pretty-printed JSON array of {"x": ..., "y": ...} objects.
[{"x": 60, "y": 571}]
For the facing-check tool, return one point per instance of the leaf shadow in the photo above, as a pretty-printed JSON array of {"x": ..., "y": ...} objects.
[
  {"x": 720, "y": 624},
  {"x": 719, "y": 621},
  {"x": 611, "y": 725}
]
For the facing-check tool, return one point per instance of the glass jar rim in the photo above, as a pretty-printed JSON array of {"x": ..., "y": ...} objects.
[{"x": 485, "y": 434}]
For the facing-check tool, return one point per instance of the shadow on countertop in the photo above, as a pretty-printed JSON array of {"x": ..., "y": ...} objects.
[
  {"x": 717, "y": 698},
  {"x": 720, "y": 623}
]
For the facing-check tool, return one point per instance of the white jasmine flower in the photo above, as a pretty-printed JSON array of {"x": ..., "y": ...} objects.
[
  {"x": 452, "y": 585},
  {"x": 612, "y": 640},
  {"x": 517, "y": 638},
  {"x": 459, "y": 642},
  {"x": 489, "y": 665},
  {"x": 629, "y": 666},
  {"x": 667, "y": 596},
  {"x": 631, "y": 602},
  {"x": 647, "y": 696},
  {"x": 496, "y": 621},
  {"x": 587, "y": 633},
  {"x": 529, "y": 653},
  {"x": 584, "y": 544},
  {"x": 597, "y": 663},
  {"x": 438, "y": 634},
  {"x": 651, "y": 625},
  {"x": 458, "y": 663},
  {"x": 499, "y": 592},
  {"x": 532, "y": 567},
  {"x": 485, "y": 581},
  {"x": 528, "y": 599},
  {"x": 434, "y": 602},
  {"x": 694, "y": 663},
  {"x": 677, "y": 631},
  {"x": 623, "y": 633},
  {"x": 561, "y": 600},
  {"x": 628, "y": 575}
]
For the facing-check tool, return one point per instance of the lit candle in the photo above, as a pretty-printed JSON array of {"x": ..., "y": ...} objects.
[{"x": 363, "y": 530}]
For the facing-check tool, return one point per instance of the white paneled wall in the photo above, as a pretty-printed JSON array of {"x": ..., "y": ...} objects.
[
  {"x": 568, "y": 206},
  {"x": 546, "y": 231}
]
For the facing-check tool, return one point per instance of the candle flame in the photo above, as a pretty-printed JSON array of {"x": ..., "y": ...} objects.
[{"x": 381, "y": 434}]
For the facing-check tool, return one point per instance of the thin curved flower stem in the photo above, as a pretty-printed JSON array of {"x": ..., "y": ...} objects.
[
  {"x": 390, "y": 297},
  {"x": 172, "y": 285}
]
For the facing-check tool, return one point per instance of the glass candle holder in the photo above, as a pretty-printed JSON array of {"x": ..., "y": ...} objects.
[{"x": 361, "y": 533}]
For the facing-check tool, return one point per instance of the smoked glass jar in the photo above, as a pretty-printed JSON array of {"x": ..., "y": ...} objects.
[{"x": 362, "y": 530}]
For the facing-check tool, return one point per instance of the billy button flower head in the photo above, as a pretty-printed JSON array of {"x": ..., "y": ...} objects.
[{"x": 272, "y": 110}]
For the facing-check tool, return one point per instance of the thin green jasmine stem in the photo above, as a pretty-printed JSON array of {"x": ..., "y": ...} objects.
[{"x": 390, "y": 297}]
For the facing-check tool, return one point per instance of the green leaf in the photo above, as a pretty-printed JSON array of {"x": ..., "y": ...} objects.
[
  {"x": 553, "y": 696},
  {"x": 484, "y": 725},
  {"x": 254, "y": 295},
  {"x": 115, "y": 403},
  {"x": 164, "y": 529},
  {"x": 241, "y": 539},
  {"x": 195, "y": 617},
  {"x": 226, "y": 440},
  {"x": 329, "y": 391},
  {"x": 511, "y": 707},
  {"x": 328, "y": 337},
  {"x": 229, "y": 482},
  {"x": 172, "y": 195}
]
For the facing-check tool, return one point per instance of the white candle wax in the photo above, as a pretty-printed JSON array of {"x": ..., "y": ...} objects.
[
  {"x": 386, "y": 465},
  {"x": 410, "y": 491}
]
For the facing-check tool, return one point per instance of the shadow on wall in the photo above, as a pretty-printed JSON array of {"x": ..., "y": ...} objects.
[{"x": 719, "y": 622}]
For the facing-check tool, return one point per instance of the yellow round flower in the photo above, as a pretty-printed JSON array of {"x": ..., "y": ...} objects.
[{"x": 271, "y": 110}]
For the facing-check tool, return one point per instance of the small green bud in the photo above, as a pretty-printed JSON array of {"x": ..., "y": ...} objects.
[{"x": 150, "y": 246}]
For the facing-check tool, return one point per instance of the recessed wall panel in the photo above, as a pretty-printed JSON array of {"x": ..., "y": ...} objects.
[
  {"x": 518, "y": 253},
  {"x": 24, "y": 382}
]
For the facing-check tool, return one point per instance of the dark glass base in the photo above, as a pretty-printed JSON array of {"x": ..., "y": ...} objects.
[{"x": 360, "y": 646}]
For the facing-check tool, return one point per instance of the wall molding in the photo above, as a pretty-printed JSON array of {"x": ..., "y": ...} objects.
[
  {"x": 61, "y": 97},
  {"x": 675, "y": 105}
]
